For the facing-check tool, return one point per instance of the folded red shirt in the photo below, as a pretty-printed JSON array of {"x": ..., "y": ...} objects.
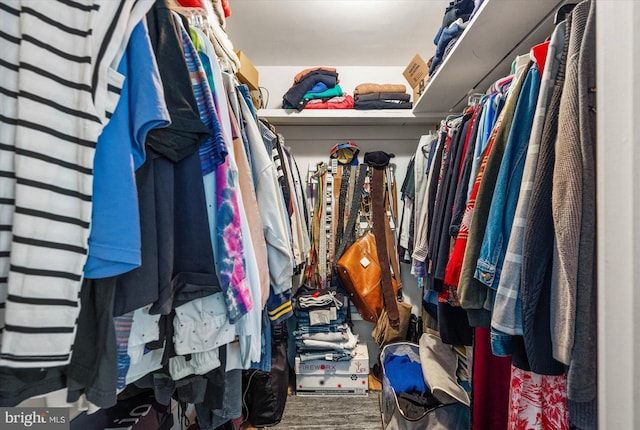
[{"x": 345, "y": 102}]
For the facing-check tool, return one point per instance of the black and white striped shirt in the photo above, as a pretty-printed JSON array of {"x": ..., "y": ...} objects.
[{"x": 58, "y": 86}]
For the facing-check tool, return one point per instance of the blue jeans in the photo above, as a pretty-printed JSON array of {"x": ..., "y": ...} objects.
[
  {"x": 501, "y": 343},
  {"x": 231, "y": 404}
]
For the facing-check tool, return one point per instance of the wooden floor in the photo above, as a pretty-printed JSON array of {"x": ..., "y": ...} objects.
[{"x": 333, "y": 413}]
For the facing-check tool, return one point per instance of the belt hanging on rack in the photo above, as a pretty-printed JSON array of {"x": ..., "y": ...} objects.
[
  {"x": 379, "y": 161},
  {"x": 342, "y": 203},
  {"x": 349, "y": 232}
]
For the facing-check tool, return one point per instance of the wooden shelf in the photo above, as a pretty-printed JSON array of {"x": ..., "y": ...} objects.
[
  {"x": 500, "y": 30},
  {"x": 348, "y": 117}
]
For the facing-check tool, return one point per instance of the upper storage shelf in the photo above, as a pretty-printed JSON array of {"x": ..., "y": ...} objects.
[
  {"x": 500, "y": 30},
  {"x": 347, "y": 117}
]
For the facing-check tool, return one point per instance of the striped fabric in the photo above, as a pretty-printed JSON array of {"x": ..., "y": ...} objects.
[
  {"x": 279, "y": 306},
  {"x": 123, "y": 330},
  {"x": 57, "y": 92},
  {"x": 231, "y": 264},
  {"x": 213, "y": 151}
]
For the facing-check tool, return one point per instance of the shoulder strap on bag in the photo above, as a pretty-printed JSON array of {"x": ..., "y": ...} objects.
[
  {"x": 393, "y": 255},
  {"x": 380, "y": 220}
]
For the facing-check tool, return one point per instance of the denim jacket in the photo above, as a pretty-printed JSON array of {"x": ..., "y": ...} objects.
[
  {"x": 507, "y": 310},
  {"x": 505, "y": 195}
]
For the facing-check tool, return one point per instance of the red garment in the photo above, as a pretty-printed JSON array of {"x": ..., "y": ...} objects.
[
  {"x": 448, "y": 294},
  {"x": 227, "y": 8},
  {"x": 191, "y": 3},
  {"x": 347, "y": 103},
  {"x": 539, "y": 53},
  {"x": 537, "y": 402},
  {"x": 491, "y": 378},
  {"x": 467, "y": 138},
  {"x": 454, "y": 266}
]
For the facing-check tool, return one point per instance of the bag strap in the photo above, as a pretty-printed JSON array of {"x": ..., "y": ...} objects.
[
  {"x": 379, "y": 230},
  {"x": 391, "y": 238},
  {"x": 393, "y": 255}
]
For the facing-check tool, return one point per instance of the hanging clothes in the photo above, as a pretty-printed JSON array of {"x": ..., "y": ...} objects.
[
  {"x": 70, "y": 103},
  {"x": 575, "y": 146},
  {"x": 507, "y": 316}
]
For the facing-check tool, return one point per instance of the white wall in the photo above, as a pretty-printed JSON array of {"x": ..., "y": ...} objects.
[{"x": 618, "y": 186}]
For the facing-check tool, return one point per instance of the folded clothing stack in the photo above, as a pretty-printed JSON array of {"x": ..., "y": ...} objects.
[
  {"x": 322, "y": 332},
  {"x": 381, "y": 96},
  {"x": 316, "y": 88},
  {"x": 454, "y": 22}
]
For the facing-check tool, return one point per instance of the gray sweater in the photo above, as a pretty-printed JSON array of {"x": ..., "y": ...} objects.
[
  {"x": 573, "y": 288},
  {"x": 582, "y": 376},
  {"x": 566, "y": 199}
]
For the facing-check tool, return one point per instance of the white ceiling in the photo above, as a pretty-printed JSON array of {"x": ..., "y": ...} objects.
[{"x": 335, "y": 32}]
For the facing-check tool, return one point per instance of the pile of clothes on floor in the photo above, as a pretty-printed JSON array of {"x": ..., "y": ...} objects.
[
  {"x": 322, "y": 332},
  {"x": 316, "y": 88},
  {"x": 370, "y": 96},
  {"x": 456, "y": 17},
  {"x": 405, "y": 376},
  {"x": 423, "y": 378}
]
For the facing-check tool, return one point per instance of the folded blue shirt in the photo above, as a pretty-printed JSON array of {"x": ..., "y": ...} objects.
[
  {"x": 404, "y": 375},
  {"x": 320, "y": 87}
]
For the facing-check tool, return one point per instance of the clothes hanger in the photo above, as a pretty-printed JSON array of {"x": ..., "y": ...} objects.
[
  {"x": 562, "y": 12},
  {"x": 498, "y": 86},
  {"x": 474, "y": 99},
  {"x": 195, "y": 16}
]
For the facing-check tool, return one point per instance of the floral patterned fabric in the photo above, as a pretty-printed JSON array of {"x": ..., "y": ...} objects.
[{"x": 537, "y": 402}]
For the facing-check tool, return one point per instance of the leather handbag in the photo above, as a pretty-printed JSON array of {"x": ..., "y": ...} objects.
[
  {"x": 359, "y": 267},
  {"x": 359, "y": 272},
  {"x": 384, "y": 333}
]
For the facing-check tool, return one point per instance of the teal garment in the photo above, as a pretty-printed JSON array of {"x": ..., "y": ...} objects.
[{"x": 331, "y": 92}]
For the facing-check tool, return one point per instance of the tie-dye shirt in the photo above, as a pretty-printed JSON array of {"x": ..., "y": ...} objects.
[{"x": 229, "y": 257}]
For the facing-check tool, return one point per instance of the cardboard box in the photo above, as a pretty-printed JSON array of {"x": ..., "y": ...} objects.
[
  {"x": 342, "y": 384},
  {"x": 417, "y": 75},
  {"x": 247, "y": 73},
  {"x": 417, "y": 91},
  {"x": 358, "y": 365},
  {"x": 416, "y": 71},
  {"x": 334, "y": 378}
]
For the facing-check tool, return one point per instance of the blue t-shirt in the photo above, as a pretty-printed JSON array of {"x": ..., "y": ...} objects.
[{"x": 114, "y": 241}]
